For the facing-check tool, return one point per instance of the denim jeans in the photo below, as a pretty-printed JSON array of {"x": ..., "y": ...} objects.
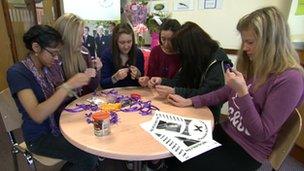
[{"x": 58, "y": 147}]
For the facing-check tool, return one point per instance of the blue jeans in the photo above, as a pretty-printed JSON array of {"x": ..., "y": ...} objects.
[{"x": 58, "y": 147}]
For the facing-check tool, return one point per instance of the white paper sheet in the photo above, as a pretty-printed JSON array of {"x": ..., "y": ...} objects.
[{"x": 184, "y": 137}]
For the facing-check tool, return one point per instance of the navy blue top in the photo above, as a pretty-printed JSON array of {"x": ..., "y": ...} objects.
[
  {"x": 108, "y": 70},
  {"x": 19, "y": 78}
]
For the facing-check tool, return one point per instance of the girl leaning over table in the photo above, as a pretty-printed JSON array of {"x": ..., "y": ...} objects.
[
  {"x": 201, "y": 66},
  {"x": 39, "y": 93},
  {"x": 262, "y": 93}
]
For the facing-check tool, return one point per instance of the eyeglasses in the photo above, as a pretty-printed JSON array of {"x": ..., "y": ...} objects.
[{"x": 54, "y": 54}]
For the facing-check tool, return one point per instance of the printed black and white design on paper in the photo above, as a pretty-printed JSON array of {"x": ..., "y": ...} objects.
[{"x": 185, "y": 128}]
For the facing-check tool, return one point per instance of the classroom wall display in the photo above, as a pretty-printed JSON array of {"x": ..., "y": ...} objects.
[
  {"x": 221, "y": 22},
  {"x": 183, "y": 5}
]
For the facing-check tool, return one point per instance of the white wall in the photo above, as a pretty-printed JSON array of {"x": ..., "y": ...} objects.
[
  {"x": 296, "y": 23},
  {"x": 221, "y": 23}
]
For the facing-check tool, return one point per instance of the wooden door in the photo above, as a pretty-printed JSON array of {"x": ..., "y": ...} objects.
[
  {"x": 16, "y": 17},
  {"x": 5, "y": 51}
]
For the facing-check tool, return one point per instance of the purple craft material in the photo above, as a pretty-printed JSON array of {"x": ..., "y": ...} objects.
[
  {"x": 82, "y": 107},
  {"x": 144, "y": 108},
  {"x": 129, "y": 105},
  {"x": 113, "y": 118}
]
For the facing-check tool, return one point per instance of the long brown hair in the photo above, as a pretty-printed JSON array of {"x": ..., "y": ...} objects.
[
  {"x": 70, "y": 27},
  {"x": 117, "y": 31},
  {"x": 274, "y": 52},
  {"x": 196, "y": 48}
]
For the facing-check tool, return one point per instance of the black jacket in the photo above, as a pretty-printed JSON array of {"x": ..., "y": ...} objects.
[{"x": 211, "y": 80}]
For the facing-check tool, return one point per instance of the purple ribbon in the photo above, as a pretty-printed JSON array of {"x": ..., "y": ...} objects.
[
  {"x": 113, "y": 118},
  {"x": 82, "y": 107},
  {"x": 144, "y": 108},
  {"x": 129, "y": 105},
  {"x": 89, "y": 118}
]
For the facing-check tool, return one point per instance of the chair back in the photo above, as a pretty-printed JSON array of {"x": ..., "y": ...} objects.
[
  {"x": 10, "y": 115},
  {"x": 286, "y": 138}
]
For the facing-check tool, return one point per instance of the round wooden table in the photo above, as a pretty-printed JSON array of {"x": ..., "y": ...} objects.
[{"x": 127, "y": 140}]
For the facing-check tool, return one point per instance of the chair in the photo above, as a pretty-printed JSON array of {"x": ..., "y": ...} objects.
[
  {"x": 286, "y": 138},
  {"x": 12, "y": 121}
]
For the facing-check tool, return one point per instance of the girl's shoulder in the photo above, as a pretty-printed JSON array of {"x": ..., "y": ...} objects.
[
  {"x": 289, "y": 77},
  {"x": 291, "y": 74},
  {"x": 17, "y": 68},
  {"x": 138, "y": 52}
]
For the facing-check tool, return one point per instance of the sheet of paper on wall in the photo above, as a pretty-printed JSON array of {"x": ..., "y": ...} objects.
[
  {"x": 184, "y": 137},
  {"x": 183, "y": 5},
  {"x": 210, "y": 4}
]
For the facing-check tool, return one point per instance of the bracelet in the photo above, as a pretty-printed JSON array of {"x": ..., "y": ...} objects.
[
  {"x": 114, "y": 79},
  {"x": 69, "y": 89}
]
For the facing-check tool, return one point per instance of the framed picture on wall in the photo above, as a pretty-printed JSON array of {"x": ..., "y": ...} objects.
[
  {"x": 210, "y": 4},
  {"x": 158, "y": 6},
  {"x": 183, "y": 5}
]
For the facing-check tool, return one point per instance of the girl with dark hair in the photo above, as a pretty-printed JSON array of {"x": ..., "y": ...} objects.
[
  {"x": 123, "y": 62},
  {"x": 261, "y": 95},
  {"x": 39, "y": 94},
  {"x": 201, "y": 71},
  {"x": 163, "y": 61}
]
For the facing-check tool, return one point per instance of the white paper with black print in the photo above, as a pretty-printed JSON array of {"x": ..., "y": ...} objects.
[{"x": 184, "y": 137}]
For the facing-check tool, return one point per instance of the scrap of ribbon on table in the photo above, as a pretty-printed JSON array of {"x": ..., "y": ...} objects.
[{"x": 116, "y": 102}]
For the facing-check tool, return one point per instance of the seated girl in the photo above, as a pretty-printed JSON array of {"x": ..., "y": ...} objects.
[
  {"x": 38, "y": 97},
  {"x": 163, "y": 61},
  {"x": 262, "y": 93},
  {"x": 123, "y": 62},
  {"x": 201, "y": 66}
]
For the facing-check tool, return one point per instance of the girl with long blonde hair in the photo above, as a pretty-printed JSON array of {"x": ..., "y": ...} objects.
[
  {"x": 262, "y": 93},
  {"x": 75, "y": 57}
]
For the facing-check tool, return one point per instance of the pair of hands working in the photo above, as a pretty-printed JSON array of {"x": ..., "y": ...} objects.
[
  {"x": 82, "y": 79},
  {"x": 234, "y": 79},
  {"x": 123, "y": 73},
  {"x": 155, "y": 82}
]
